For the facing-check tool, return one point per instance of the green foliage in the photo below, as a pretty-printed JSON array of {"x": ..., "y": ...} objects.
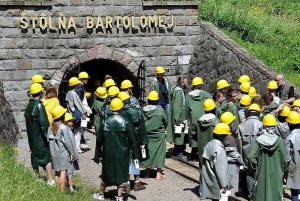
[
  {"x": 267, "y": 28},
  {"x": 19, "y": 183}
]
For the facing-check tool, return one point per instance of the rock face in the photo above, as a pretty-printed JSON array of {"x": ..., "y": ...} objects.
[{"x": 8, "y": 126}]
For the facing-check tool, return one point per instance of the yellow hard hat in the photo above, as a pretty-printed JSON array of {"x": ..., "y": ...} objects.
[
  {"x": 209, "y": 104},
  {"x": 297, "y": 103},
  {"x": 286, "y": 110},
  {"x": 272, "y": 85},
  {"x": 255, "y": 107},
  {"x": 37, "y": 79},
  {"x": 293, "y": 118},
  {"x": 97, "y": 82},
  {"x": 196, "y": 81},
  {"x": 227, "y": 117},
  {"x": 73, "y": 81},
  {"x": 113, "y": 90},
  {"x": 35, "y": 88},
  {"x": 87, "y": 94},
  {"x": 101, "y": 92},
  {"x": 222, "y": 129},
  {"x": 123, "y": 95},
  {"x": 58, "y": 111},
  {"x": 116, "y": 104},
  {"x": 269, "y": 120},
  {"x": 252, "y": 92},
  {"x": 245, "y": 100},
  {"x": 68, "y": 117},
  {"x": 159, "y": 69},
  {"x": 109, "y": 83},
  {"x": 245, "y": 87},
  {"x": 153, "y": 96},
  {"x": 222, "y": 84},
  {"x": 83, "y": 75},
  {"x": 244, "y": 78},
  {"x": 126, "y": 84}
]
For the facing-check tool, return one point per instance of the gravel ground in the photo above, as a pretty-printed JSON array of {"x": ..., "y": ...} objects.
[{"x": 174, "y": 187}]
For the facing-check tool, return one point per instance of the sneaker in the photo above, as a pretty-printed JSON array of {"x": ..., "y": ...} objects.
[
  {"x": 51, "y": 183},
  {"x": 84, "y": 146},
  {"x": 79, "y": 151},
  {"x": 119, "y": 198},
  {"x": 138, "y": 186},
  {"x": 73, "y": 190},
  {"x": 98, "y": 196}
]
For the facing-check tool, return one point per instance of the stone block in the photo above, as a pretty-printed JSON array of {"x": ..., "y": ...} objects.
[
  {"x": 176, "y": 12},
  {"x": 55, "y": 64},
  {"x": 135, "y": 52},
  {"x": 36, "y": 43},
  {"x": 3, "y": 54},
  {"x": 10, "y": 64},
  {"x": 126, "y": 59},
  {"x": 145, "y": 42},
  {"x": 157, "y": 41},
  {"x": 123, "y": 42},
  {"x": 58, "y": 75},
  {"x": 138, "y": 11},
  {"x": 53, "y": 54},
  {"x": 193, "y": 30},
  {"x": 156, "y": 61},
  {"x": 83, "y": 57},
  {"x": 6, "y": 75},
  {"x": 191, "y": 12},
  {"x": 92, "y": 2},
  {"x": 74, "y": 43},
  {"x": 182, "y": 21},
  {"x": 88, "y": 42},
  {"x": 100, "y": 11},
  {"x": 15, "y": 53},
  {"x": 23, "y": 64},
  {"x": 12, "y": 33},
  {"x": 18, "y": 75},
  {"x": 171, "y": 40},
  {"x": 183, "y": 40},
  {"x": 60, "y": 2},
  {"x": 15, "y": 95},
  {"x": 151, "y": 52},
  {"x": 16, "y": 86},
  {"x": 60, "y": 43},
  {"x": 12, "y": 12},
  {"x": 183, "y": 50},
  {"x": 118, "y": 55},
  {"x": 179, "y": 30},
  {"x": 107, "y": 2},
  {"x": 182, "y": 60},
  {"x": 1, "y": 66},
  {"x": 134, "y": 41},
  {"x": 65, "y": 67},
  {"x": 134, "y": 3},
  {"x": 38, "y": 64},
  {"x": 194, "y": 20},
  {"x": 133, "y": 67},
  {"x": 116, "y": 10},
  {"x": 162, "y": 11},
  {"x": 128, "y": 10},
  {"x": 84, "y": 11},
  {"x": 170, "y": 60},
  {"x": 76, "y": 2},
  {"x": 30, "y": 54},
  {"x": 120, "y": 3},
  {"x": 166, "y": 50},
  {"x": 92, "y": 53}
]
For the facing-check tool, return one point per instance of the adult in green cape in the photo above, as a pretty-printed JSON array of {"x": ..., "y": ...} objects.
[
  {"x": 163, "y": 87},
  {"x": 218, "y": 98},
  {"x": 176, "y": 117},
  {"x": 231, "y": 107},
  {"x": 135, "y": 116},
  {"x": 194, "y": 110},
  {"x": 156, "y": 123},
  {"x": 270, "y": 107},
  {"x": 267, "y": 160},
  {"x": 37, "y": 126},
  {"x": 100, "y": 95},
  {"x": 116, "y": 137}
]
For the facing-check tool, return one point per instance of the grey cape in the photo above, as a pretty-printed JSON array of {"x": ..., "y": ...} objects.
[
  {"x": 61, "y": 147},
  {"x": 214, "y": 169}
]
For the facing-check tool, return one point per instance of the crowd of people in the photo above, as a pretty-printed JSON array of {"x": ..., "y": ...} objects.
[{"x": 238, "y": 137}]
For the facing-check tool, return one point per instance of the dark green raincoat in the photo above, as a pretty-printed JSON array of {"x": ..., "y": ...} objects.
[
  {"x": 267, "y": 159},
  {"x": 156, "y": 123},
  {"x": 176, "y": 116},
  {"x": 231, "y": 107},
  {"x": 270, "y": 109},
  {"x": 203, "y": 128},
  {"x": 116, "y": 136},
  {"x": 96, "y": 108},
  {"x": 194, "y": 110},
  {"x": 135, "y": 116},
  {"x": 37, "y": 126}
]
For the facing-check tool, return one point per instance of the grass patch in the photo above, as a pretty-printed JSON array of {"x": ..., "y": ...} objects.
[
  {"x": 269, "y": 29},
  {"x": 19, "y": 183}
]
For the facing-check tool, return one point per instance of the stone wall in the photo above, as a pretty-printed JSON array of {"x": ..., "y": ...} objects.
[
  {"x": 218, "y": 57},
  {"x": 26, "y": 52}
]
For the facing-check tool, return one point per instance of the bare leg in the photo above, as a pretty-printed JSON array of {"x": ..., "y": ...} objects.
[
  {"x": 120, "y": 191},
  {"x": 136, "y": 177},
  {"x": 57, "y": 179},
  {"x": 62, "y": 182},
  {"x": 147, "y": 175},
  {"x": 102, "y": 189},
  {"x": 70, "y": 182},
  {"x": 36, "y": 170},
  {"x": 48, "y": 169}
]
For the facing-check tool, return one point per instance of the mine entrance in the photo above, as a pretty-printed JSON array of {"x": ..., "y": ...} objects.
[{"x": 97, "y": 69}]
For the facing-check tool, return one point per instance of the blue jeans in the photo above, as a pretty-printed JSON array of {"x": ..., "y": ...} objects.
[
  {"x": 294, "y": 194},
  {"x": 165, "y": 107}
]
